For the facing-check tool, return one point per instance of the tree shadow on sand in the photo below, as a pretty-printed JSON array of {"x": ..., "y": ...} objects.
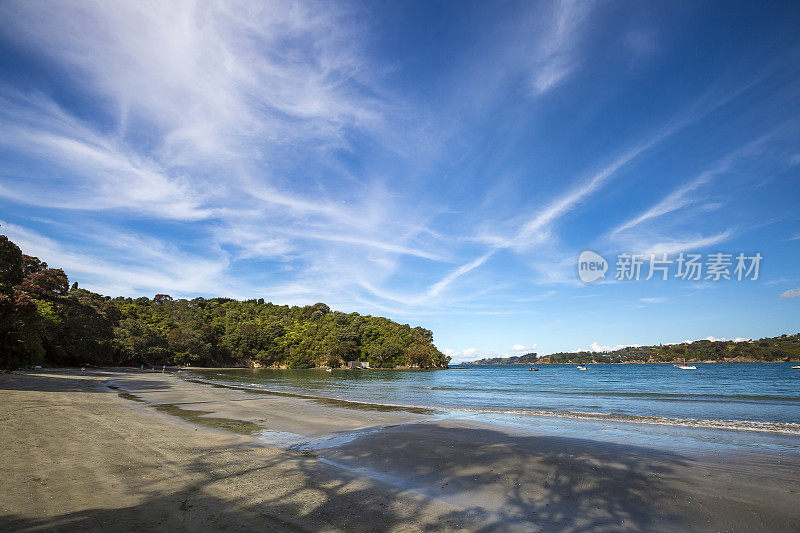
[
  {"x": 552, "y": 483},
  {"x": 417, "y": 477},
  {"x": 65, "y": 381},
  {"x": 326, "y": 498}
]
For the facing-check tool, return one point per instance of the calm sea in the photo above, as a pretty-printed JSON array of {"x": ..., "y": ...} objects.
[{"x": 743, "y": 396}]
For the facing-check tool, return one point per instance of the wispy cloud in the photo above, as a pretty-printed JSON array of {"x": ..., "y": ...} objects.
[
  {"x": 791, "y": 293},
  {"x": 556, "y": 56},
  {"x": 677, "y": 199},
  {"x": 230, "y": 95},
  {"x": 140, "y": 265},
  {"x": 688, "y": 194},
  {"x": 537, "y": 229},
  {"x": 676, "y": 246},
  {"x": 97, "y": 171},
  {"x": 217, "y": 92}
]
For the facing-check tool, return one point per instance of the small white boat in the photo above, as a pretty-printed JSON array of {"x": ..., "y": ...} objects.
[
  {"x": 684, "y": 366},
  {"x": 328, "y": 370},
  {"x": 582, "y": 367},
  {"x": 796, "y": 367}
]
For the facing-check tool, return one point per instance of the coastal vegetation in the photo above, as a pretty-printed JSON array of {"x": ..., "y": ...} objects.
[
  {"x": 771, "y": 349},
  {"x": 525, "y": 359},
  {"x": 45, "y": 321}
]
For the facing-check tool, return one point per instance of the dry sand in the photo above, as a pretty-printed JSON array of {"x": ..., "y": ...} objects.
[{"x": 160, "y": 453}]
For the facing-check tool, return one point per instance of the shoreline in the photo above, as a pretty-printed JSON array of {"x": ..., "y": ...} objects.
[
  {"x": 406, "y": 368},
  {"x": 779, "y": 428},
  {"x": 675, "y": 362},
  {"x": 163, "y": 452}
]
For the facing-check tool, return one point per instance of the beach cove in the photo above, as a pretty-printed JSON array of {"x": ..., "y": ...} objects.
[{"x": 130, "y": 450}]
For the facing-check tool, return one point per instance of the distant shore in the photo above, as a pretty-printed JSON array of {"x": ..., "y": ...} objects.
[
  {"x": 125, "y": 450},
  {"x": 675, "y": 362},
  {"x": 781, "y": 349}
]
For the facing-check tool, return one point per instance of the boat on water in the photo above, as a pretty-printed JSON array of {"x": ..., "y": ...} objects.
[
  {"x": 796, "y": 367},
  {"x": 582, "y": 367},
  {"x": 533, "y": 370},
  {"x": 684, "y": 366}
]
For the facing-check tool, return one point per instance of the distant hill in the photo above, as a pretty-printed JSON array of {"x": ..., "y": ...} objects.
[
  {"x": 770, "y": 349},
  {"x": 526, "y": 359}
]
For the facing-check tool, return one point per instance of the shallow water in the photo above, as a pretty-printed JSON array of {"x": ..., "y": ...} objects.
[{"x": 744, "y": 396}]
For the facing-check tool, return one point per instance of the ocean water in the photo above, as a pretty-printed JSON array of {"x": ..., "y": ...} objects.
[{"x": 762, "y": 397}]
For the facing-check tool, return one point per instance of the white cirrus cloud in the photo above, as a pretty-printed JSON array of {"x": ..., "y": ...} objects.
[
  {"x": 791, "y": 293},
  {"x": 201, "y": 112},
  {"x": 557, "y": 54}
]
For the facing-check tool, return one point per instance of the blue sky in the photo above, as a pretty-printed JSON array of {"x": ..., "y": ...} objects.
[{"x": 440, "y": 163}]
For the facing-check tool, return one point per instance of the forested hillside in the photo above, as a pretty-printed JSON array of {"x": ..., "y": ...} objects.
[
  {"x": 524, "y": 359},
  {"x": 771, "y": 349},
  {"x": 783, "y": 348},
  {"x": 44, "y": 321}
]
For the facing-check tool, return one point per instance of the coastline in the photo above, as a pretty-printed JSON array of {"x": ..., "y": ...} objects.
[
  {"x": 749, "y": 426},
  {"x": 163, "y": 452},
  {"x": 674, "y": 362}
]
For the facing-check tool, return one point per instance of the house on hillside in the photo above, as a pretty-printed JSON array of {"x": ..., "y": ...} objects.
[{"x": 358, "y": 364}]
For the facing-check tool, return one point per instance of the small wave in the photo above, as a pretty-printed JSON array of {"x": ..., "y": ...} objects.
[
  {"x": 603, "y": 393},
  {"x": 788, "y": 428},
  {"x": 668, "y": 396}
]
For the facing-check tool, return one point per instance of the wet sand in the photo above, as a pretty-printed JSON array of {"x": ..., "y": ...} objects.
[{"x": 124, "y": 450}]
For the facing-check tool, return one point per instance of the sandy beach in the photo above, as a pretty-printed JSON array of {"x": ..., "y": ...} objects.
[{"x": 129, "y": 450}]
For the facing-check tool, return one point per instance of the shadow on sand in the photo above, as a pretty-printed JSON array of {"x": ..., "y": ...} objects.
[
  {"x": 494, "y": 483},
  {"x": 328, "y": 499},
  {"x": 64, "y": 381},
  {"x": 417, "y": 477},
  {"x": 555, "y": 483}
]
